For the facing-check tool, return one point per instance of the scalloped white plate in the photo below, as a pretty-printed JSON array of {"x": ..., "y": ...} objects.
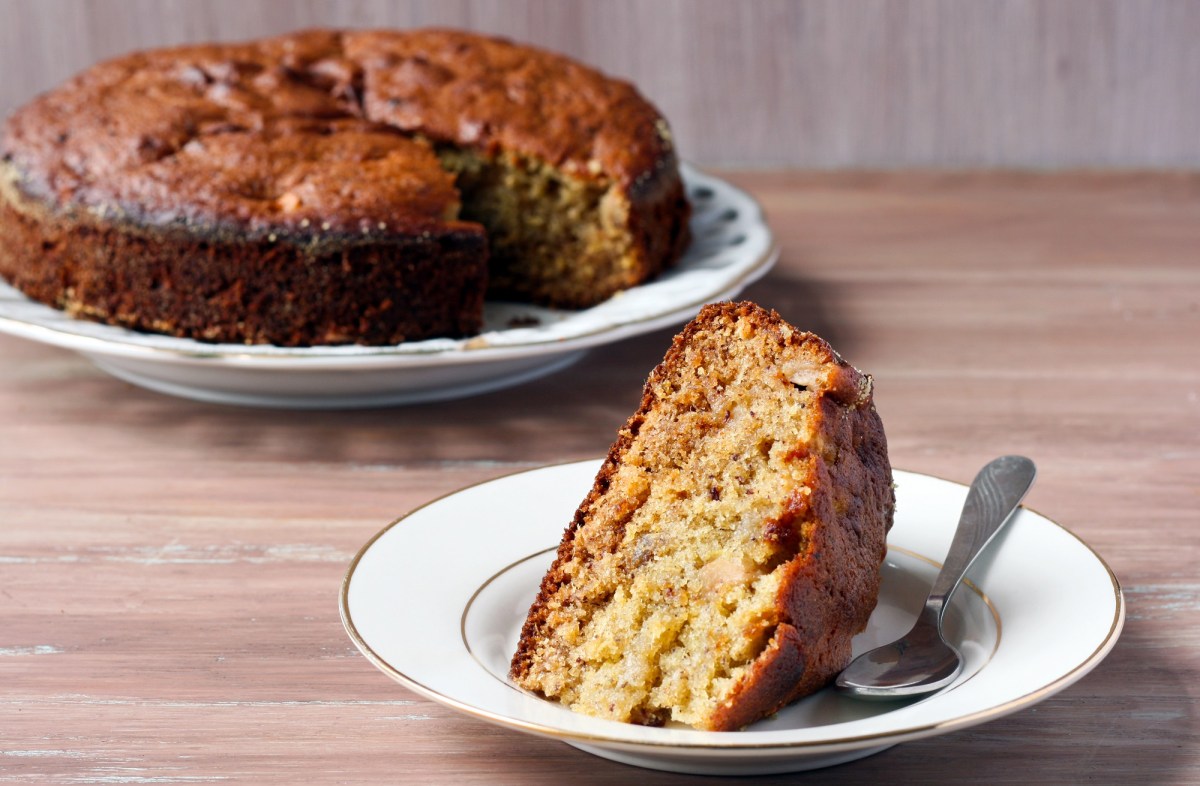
[
  {"x": 731, "y": 247},
  {"x": 1043, "y": 609}
]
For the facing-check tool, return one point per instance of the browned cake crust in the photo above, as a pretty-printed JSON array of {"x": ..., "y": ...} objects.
[
  {"x": 292, "y": 190},
  {"x": 685, "y": 483}
]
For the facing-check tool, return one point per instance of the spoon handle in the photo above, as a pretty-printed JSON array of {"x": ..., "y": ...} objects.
[{"x": 996, "y": 492}]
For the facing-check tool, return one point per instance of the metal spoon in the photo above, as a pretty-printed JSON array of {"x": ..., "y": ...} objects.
[{"x": 922, "y": 661}]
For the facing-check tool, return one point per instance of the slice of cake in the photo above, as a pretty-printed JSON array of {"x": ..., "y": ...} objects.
[{"x": 731, "y": 544}]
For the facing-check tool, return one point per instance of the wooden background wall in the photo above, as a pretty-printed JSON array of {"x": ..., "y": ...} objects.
[{"x": 766, "y": 83}]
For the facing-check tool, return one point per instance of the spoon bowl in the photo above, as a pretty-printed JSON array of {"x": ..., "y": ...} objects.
[
  {"x": 922, "y": 661},
  {"x": 919, "y": 663}
]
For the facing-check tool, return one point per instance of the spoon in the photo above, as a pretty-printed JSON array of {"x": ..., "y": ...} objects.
[{"x": 922, "y": 661}]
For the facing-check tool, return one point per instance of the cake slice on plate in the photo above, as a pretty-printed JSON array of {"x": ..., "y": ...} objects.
[{"x": 730, "y": 546}]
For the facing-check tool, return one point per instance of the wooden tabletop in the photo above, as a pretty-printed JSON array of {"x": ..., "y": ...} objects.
[{"x": 169, "y": 570}]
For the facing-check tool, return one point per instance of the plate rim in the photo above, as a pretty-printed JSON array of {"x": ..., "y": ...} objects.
[
  {"x": 405, "y": 354},
  {"x": 811, "y": 747}
]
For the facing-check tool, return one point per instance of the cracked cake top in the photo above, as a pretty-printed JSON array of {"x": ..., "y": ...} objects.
[{"x": 270, "y": 134}]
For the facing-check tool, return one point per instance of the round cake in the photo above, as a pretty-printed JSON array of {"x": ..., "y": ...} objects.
[{"x": 330, "y": 187}]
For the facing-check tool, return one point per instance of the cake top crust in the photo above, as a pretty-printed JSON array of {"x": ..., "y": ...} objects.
[{"x": 325, "y": 129}]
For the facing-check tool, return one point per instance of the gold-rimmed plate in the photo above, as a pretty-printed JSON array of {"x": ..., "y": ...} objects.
[
  {"x": 436, "y": 601},
  {"x": 731, "y": 247}
]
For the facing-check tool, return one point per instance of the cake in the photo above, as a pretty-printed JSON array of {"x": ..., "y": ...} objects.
[
  {"x": 329, "y": 187},
  {"x": 731, "y": 544}
]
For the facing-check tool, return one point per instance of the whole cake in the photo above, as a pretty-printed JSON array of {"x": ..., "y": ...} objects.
[
  {"x": 332, "y": 187},
  {"x": 730, "y": 547}
]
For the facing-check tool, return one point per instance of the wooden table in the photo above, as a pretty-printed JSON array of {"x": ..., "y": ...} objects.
[{"x": 169, "y": 570}]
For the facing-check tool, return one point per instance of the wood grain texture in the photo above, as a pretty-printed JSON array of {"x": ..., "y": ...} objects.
[
  {"x": 169, "y": 570},
  {"x": 824, "y": 84}
]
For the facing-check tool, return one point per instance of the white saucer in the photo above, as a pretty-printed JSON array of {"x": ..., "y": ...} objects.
[
  {"x": 437, "y": 598},
  {"x": 731, "y": 247}
]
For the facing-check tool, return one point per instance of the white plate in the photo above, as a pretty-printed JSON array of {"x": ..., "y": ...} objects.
[
  {"x": 731, "y": 247},
  {"x": 436, "y": 601}
]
